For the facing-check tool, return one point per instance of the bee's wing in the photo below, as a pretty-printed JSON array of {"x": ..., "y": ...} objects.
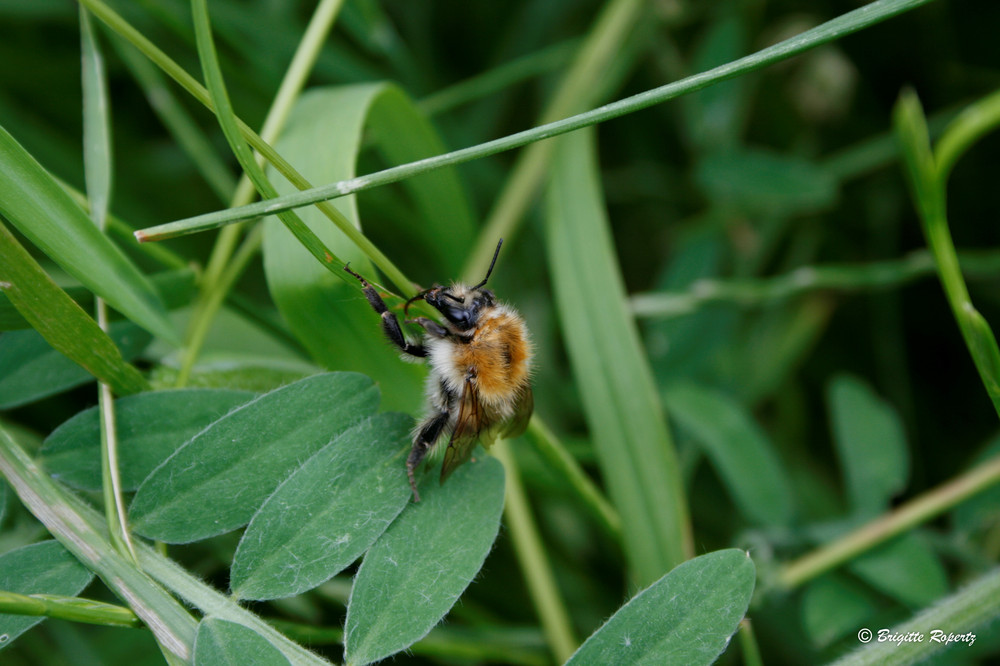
[
  {"x": 467, "y": 429},
  {"x": 518, "y": 423}
]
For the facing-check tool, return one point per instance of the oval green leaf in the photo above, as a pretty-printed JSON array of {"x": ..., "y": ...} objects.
[
  {"x": 871, "y": 444},
  {"x": 41, "y": 568},
  {"x": 218, "y": 480},
  {"x": 150, "y": 426},
  {"x": 893, "y": 567},
  {"x": 686, "y": 617},
  {"x": 739, "y": 449},
  {"x": 327, "y": 513},
  {"x": 30, "y": 369},
  {"x": 224, "y": 643},
  {"x": 41, "y": 210},
  {"x": 415, "y": 573}
]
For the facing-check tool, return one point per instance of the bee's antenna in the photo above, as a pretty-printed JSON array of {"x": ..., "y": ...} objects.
[
  {"x": 492, "y": 264},
  {"x": 406, "y": 306}
]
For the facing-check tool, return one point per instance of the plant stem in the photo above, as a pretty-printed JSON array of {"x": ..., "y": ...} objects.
[
  {"x": 918, "y": 510},
  {"x": 531, "y": 556},
  {"x": 836, "y": 28},
  {"x": 74, "y": 609},
  {"x": 808, "y": 279},
  {"x": 170, "y": 623},
  {"x": 562, "y": 463},
  {"x": 958, "y": 614}
]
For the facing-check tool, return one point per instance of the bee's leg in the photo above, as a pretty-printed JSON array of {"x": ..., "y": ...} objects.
[
  {"x": 390, "y": 324},
  {"x": 428, "y": 433},
  {"x": 432, "y": 327}
]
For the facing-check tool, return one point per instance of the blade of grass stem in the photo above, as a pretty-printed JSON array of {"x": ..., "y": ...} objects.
[
  {"x": 562, "y": 463},
  {"x": 75, "y": 609},
  {"x": 928, "y": 188},
  {"x": 170, "y": 623},
  {"x": 968, "y": 609},
  {"x": 836, "y": 28},
  {"x": 805, "y": 280},
  {"x": 970, "y": 125},
  {"x": 219, "y": 276},
  {"x": 535, "y": 566},
  {"x": 576, "y": 91},
  {"x": 127, "y": 32},
  {"x": 914, "y": 512},
  {"x": 59, "y": 320},
  {"x": 98, "y": 178}
]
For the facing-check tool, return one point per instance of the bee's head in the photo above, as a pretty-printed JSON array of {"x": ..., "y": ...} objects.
[{"x": 461, "y": 305}]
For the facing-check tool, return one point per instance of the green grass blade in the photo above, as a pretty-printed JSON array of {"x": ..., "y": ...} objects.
[
  {"x": 41, "y": 568},
  {"x": 841, "y": 26},
  {"x": 924, "y": 175},
  {"x": 34, "y": 203},
  {"x": 224, "y": 643},
  {"x": 96, "y": 125},
  {"x": 62, "y": 323},
  {"x": 623, "y": 411},
  {"x": 963, "y": 614},
  {"x": 170, "y": 623},
  {"x": 686, "y": 617},
  {"x": 415, "y": 573},
  {"x": 328, "y": 512}
]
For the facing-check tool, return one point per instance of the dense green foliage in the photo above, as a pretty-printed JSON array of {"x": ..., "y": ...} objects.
[{"x": 765, "y": 379}]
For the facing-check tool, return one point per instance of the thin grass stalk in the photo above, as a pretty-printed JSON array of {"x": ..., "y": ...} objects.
[
  {"x": 214, "y": 288},
  {"x": 98, "y": 175},
  {"x": 535, "y": 566},
  {"x": 836, "y": 28}
]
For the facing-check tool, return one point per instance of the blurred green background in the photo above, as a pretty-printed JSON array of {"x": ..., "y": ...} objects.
[{"x": 792, "y": 166}]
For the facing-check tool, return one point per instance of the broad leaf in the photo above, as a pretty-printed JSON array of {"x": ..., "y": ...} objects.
[
  {"x": 893, "y": 568},
  {"x": 150, "y": 427},
  {"x": 834, "y": 606},
  {"x": 218, "y": 480},
  {"x": 224, "y": 643},
  {"x": 415, "y": 573},
  {"x": 41, "y": 568},
  {"x": 686, "y": 617},
  {"x": 738, "y": 448},
  {"x": 327, "y": 513},
  {"x": 871, "y": 443}
]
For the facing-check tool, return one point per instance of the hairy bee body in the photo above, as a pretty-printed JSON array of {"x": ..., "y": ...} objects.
[{"x": 479, "y": 387}]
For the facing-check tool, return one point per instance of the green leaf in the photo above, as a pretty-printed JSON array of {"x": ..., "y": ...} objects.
[
  {"x": 414, "y": 574},
  {"x": 623, "y": 410},
  {"x": 41, "y": 568},
  {"x": 327, "y": 513},
  {"x": 893, "y": 568},
  {"x": 739, "y": 449},
  {"x": 150, "y": 427},
  {"x": 871, "y": 443},
  {"x": 315, "y": 303},
  {"x": 763, "y": 182},
  {"x": 30, "y": 369},
  {"x": 686, "y": 617},
  {"x": 224, "y": 643},
  {"x": 218, "y": 480},
  {"x": 41, "y": 210},
  {"x": 834, "y": 606},
  {"x": 59, "y": 320}
]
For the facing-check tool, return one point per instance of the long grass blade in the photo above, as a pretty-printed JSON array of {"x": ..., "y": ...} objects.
[
  {"x": 841, "y": 26},
  {"x": 623, "y": 410}
]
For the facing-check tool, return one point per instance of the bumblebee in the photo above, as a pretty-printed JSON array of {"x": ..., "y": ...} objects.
[{"x": 479, "y": 386}]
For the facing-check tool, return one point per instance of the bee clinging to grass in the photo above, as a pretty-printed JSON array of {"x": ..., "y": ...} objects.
[{"x": 479, "y": 386}]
